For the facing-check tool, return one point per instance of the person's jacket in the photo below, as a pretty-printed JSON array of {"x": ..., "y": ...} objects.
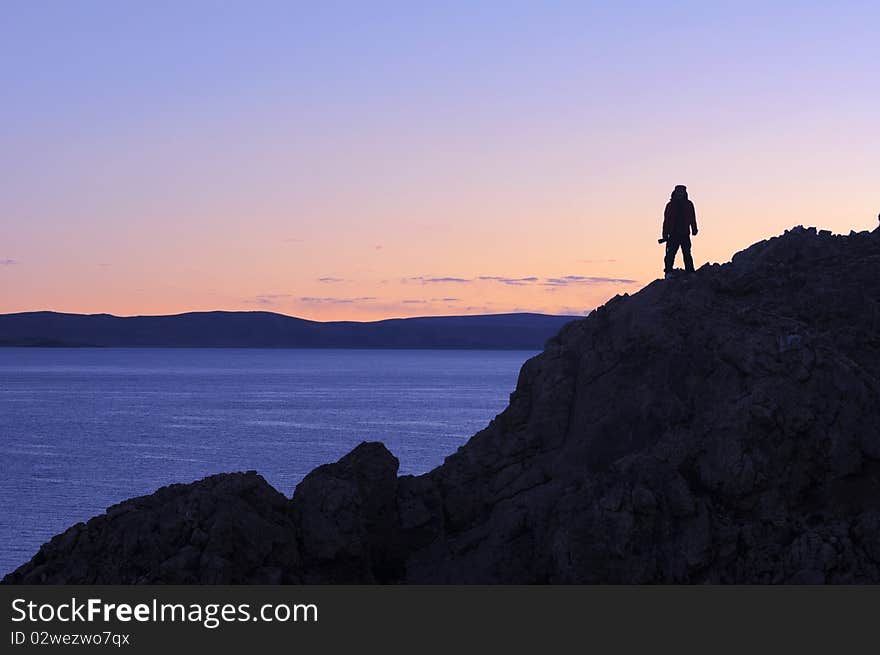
[{"x": 679, "y": 218}]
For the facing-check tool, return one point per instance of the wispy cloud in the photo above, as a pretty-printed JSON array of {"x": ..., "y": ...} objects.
[
  {"x": 330, "y": 280},
  {"x": 425, "y": 279},
  {"x": 564, "y": 280},
  {"x": 8, "y": 262},
  {"x": 561, "y": 281},
  {"x": 414, "y": 302},
  {"x": 486, "y": 308},
  {"x": 268, "y": 298},
  {"x": 312, "y": 300},
  {"x": 445, "y": 299},
  {"x": 513, "y": 281},
  {"x": 573, "y": 280}
]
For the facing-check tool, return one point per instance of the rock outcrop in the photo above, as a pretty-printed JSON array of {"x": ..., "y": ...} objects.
[
  {"x": 721, "y": 427},
  {"x": 229, "y": 528}
]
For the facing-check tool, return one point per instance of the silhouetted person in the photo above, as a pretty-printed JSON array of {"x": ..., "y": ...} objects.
[{"x": 679, "y": 221}]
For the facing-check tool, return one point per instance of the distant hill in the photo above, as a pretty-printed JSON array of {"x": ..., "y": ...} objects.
[{"x": 269, "y": 330}]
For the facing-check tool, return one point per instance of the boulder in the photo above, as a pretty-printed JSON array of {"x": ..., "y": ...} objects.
[{"x": 349, "y": 521}]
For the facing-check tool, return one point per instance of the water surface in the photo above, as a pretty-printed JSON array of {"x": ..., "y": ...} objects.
[{"x": 81, "y": 429}]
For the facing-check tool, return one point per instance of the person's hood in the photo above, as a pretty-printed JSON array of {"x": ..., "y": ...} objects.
[{"x": 681, "y": 189}]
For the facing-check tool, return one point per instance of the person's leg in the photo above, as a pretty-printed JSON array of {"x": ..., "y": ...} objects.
[
  {"x": 671, "y": 249},
  {"x": 686, "y": 254}
]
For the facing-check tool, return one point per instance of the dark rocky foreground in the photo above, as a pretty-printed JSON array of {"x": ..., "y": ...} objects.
[{"x": 722, "y": 427}]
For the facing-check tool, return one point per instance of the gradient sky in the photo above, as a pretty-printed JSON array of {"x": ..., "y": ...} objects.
[{"x": 365, "y": 160}]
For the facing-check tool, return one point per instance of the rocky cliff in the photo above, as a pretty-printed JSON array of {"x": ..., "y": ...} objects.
[{"x": 721, "y": 427}]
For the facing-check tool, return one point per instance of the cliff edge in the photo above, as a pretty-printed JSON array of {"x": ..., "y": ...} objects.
[{"x": 721, "y": 427}]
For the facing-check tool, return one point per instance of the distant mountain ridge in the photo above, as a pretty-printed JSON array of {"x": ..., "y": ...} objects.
[{"x": 221, "y": 329}]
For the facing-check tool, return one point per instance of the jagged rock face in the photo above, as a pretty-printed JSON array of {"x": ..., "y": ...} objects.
[{"x": 719, "y": 427}]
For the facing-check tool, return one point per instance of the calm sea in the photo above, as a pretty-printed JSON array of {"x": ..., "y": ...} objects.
[{"x": 81, "y": 429}]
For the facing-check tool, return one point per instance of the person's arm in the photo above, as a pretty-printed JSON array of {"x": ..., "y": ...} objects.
[
  {"x": 667, "y": 220},
  {"x": 693, "y": 220}
]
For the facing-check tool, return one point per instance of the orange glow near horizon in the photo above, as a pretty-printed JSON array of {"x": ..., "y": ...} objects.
[{"x": 571, "y": 277}]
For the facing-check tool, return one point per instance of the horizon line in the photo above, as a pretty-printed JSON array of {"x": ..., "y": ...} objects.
[{"x": 298, "y": 318}]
